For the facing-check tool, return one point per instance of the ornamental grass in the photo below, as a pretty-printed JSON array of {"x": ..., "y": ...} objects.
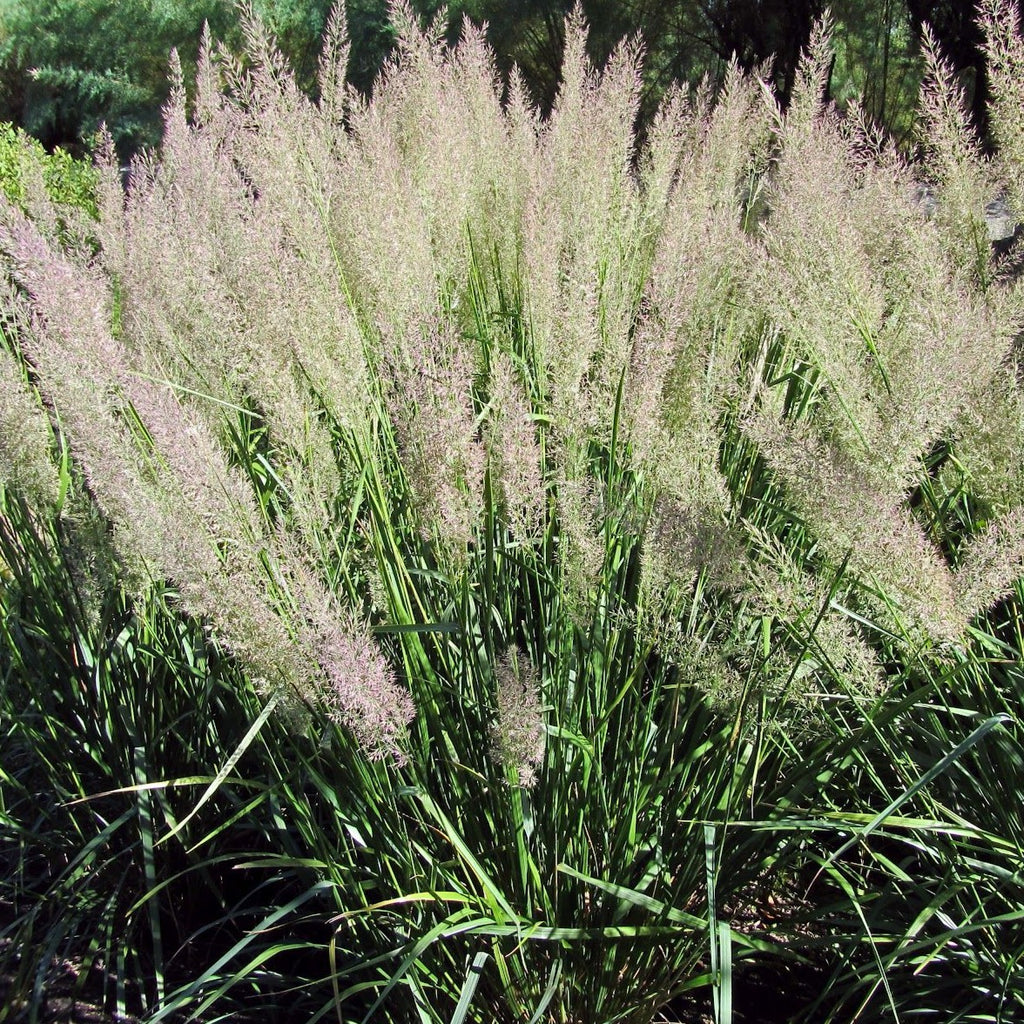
[{"x": 458, "y": 565}]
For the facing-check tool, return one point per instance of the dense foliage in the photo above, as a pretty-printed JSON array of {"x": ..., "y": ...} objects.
[
  {"x": 462, "y": 565},
  {"x": 67, "y": 182},
  {"x": 69, "y": 65}
]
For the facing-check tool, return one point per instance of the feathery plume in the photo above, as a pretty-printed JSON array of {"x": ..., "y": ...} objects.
[
  {"x": 442, "y": 452},
  {"x": 583, "y": 250},
  {"x": 513, "y": 452},
  {"x": 518, "y": 732},
  {"x": 991, "y": 562},
  {"x": 858, "y": 515},
  {"x": 357, "y": 689},
  {"x": 158, "y": 475},
  {"x": 26, "y": 436},
  {"x": 962, "y": 179},
  {"x": 776, "y": 585},
  {"x": 1004, "y": 66}
]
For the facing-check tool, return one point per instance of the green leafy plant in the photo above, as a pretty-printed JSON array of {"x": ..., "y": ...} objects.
[{"x": 68, "y": 182}]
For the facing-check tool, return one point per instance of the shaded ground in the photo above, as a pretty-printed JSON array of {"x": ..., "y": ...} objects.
[
  {"x": 65, "y": 1000},
  {"x": 765, "y": 993}
]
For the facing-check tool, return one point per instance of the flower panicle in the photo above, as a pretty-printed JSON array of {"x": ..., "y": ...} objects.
[{"x": 518, "y": 735}]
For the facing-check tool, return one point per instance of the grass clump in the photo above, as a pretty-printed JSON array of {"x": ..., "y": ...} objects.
[{"x": 514, "y": 563}]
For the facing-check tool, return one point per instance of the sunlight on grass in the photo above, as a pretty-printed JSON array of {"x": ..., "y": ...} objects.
[{"x": 461, "y": 566}]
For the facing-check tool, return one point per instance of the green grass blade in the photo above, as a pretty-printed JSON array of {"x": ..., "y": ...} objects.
[
  {"x": 227, "y": 767},
  {"x": 469, "y": 988}
]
